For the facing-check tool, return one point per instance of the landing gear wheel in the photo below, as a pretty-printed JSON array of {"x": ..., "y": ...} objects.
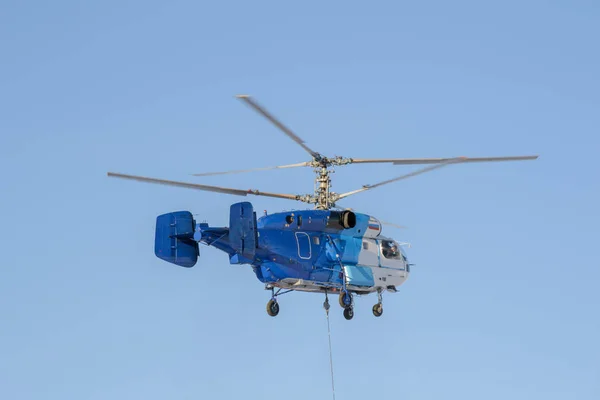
[
  {"x": 345, "y": 299},
  {"x": 272, "y": 308},
  {"x": 348, "y": 313},
  {"x": 378, "y": 310}
]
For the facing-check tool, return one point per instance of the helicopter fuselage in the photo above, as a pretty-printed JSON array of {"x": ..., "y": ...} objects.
[{"x": 303, "y": 250}]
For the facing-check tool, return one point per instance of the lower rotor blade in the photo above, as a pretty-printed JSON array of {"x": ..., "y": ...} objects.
[
  {"x": 238, "y": 171},
  {"x": 237, "y": 192}
]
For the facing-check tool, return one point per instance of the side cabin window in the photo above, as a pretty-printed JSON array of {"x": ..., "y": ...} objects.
[
  {"x": 391, "y": 250},
  {"x": 304, "y": 250}
]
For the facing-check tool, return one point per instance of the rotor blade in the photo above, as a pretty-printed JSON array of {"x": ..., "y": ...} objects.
[
  {"x": 414, "y": 173},
  {"x": 393, "y": 225},
  {"x": 257, "y": 107},
  {"x": 407, "y": 161},
  {"x": 303, "y": 164},
  {"x": 237, "y": 192}
]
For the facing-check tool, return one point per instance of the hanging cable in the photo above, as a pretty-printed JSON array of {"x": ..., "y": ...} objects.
[{"x": 326, "y": 307}]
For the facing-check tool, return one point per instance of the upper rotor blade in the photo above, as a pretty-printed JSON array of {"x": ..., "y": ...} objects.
[
  {"x": 407, "y": 161},
  {"x": 237, "y": 192},
  {"x": 303, "y": 164},
  {"x": 414, "y": 173},
  {"x": 252, "y": 103}
]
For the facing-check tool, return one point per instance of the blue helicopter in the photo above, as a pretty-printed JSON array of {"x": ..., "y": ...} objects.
[{"x": 327, "y": 249}]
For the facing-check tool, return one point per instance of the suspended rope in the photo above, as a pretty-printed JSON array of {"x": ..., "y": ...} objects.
[{"x": 326, "y": 306}]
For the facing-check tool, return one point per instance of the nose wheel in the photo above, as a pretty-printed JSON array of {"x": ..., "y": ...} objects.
[
  {"x": 348, "y": 313},
  {"x": 378, "y": 308}
]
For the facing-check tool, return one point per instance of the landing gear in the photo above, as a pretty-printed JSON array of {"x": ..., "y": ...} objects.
[
  {"x": 378, "y": 308},
  {"x": 348, "y": 313},
  {"x": 273, "y": 305},
  {"x": 345, "y": 298},
  {"x": 345, "y": 301},
  {"x": 273, "y": 308}
]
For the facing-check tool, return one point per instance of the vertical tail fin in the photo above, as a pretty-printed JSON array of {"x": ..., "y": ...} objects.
[
  {"x": 174, "y": 239},
  {"x": 242, "y": 229}
]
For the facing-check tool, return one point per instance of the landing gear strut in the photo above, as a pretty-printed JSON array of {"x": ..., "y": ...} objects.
[
  {"x": 273, "y": 305},
  {"x": 345, "y": 296},
  {"x": 378, "y": 308}
]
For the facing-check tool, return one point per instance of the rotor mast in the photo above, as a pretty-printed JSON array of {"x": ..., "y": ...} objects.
[
  {"x": 321, "y": 197},
  {"x": 322, "y": 188},
  {"x": 324, "y": 198}
]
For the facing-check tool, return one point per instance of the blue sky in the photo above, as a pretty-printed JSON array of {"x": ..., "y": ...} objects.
[{"x": 503, "y": 300}]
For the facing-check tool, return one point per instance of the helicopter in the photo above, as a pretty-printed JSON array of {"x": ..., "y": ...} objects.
[{"x": 326, "y": 249}]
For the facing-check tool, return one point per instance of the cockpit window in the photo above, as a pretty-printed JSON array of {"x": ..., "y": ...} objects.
[{"x": 390, "y": 249}]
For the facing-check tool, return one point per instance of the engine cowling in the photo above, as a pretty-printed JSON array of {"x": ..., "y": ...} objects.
[{"x": 341, "y": 219}]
